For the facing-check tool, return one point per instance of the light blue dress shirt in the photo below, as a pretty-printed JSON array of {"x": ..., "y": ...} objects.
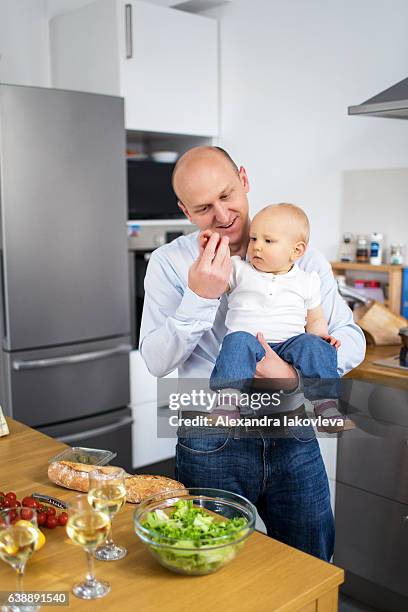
[{"x": 183, "y": 330}]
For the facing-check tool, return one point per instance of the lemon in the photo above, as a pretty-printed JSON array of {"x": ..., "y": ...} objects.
[
  {"x": 8, "y": 545},
  {"x": 39, "y": 536}
]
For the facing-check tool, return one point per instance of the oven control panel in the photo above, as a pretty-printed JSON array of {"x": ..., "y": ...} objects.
[{"x": 146, "y": 236}]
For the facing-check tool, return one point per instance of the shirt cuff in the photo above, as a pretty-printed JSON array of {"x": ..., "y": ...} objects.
[{"x": 194, "y": 306}]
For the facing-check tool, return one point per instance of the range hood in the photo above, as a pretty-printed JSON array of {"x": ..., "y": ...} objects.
[{"x": 392, "y": 102}]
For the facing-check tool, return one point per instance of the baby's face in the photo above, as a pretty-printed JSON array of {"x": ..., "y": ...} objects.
[{"x": 271, "y": 242}]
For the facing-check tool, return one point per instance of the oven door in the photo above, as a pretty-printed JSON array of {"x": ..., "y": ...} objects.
[{"x": 138, "y": 261}]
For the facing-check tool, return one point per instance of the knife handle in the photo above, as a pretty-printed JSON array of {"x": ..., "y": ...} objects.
[{"x": 47, "y": 499}]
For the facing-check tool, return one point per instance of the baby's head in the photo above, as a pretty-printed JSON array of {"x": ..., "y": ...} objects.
[{"x": 278, "y": 236}]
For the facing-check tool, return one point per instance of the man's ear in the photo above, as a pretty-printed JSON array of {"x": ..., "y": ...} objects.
[
  {"x": 184, "y": 210},
  {"x": 298, "y": 250},
  {"x": 244, "y": 178}
]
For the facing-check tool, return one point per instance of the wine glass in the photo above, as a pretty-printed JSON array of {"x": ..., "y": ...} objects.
[
  {"x": 17, "y": 542},
  {"x": 107, "y": 492},
  {"x": 88, "y": 528}
]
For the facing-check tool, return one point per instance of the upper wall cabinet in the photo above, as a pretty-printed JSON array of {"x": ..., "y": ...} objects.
[{"x": 163, "y": 61}]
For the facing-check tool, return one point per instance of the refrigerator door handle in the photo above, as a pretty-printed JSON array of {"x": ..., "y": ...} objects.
[
  {"x": 70, "y": 359},
  {"x": 98, "y": 431}
]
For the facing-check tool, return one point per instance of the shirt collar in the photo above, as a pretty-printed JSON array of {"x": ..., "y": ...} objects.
[{"x": 292, "y": 272}]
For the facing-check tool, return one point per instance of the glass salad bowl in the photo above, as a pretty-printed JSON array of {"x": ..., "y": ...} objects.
[{"x": 194, "y": 531}]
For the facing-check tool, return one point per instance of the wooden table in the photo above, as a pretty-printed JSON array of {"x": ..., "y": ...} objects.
[
  {"x": 267, "y": 575},
  {"x": 370, "y": 372}
]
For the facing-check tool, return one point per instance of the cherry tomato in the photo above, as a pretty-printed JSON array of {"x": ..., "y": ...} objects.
[
  {"x": 7, "y": 503},
  {"x": 42, "y": 508},
  {"x": 11, "y": 496},
  {"x": 18, "y": 503},
  {"x": 51, "y": 521},
  {"x": 41, "y": 518},
  {"x": 51, "y": 511},
  {"x": 29, "y": 502},
  {"x": 62, "y": 519},
  {"x": 26, "y": 514}
]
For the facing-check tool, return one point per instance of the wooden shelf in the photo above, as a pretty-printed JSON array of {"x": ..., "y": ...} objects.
[
  {"x": 394, "y": 279},
  {"x": 364, "y": 267}
]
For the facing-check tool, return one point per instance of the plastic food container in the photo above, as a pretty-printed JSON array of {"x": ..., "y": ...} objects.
[
  {"x": 80, "y": 454},
  {"x": 189, "y": 557}
]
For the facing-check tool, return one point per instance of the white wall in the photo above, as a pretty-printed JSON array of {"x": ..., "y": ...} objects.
[
  {"x": 289, "y": 69},
  {"x": 24, "y": 42},
  {"x": 376, "y": 199},
  {"x": 59, "y": 7}
]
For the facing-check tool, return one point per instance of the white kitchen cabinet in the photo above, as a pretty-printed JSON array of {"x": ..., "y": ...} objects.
[{"x": 163, "y": 61}]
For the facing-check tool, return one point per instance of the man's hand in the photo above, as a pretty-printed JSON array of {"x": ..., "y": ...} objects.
[
  {"x": 203, "y": 239},
  {"x": 272, "y": 367},
  {"x": 209, "y": 275}
]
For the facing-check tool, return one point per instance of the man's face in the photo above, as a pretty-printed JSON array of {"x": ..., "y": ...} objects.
[{"x": 213, "y": 196}]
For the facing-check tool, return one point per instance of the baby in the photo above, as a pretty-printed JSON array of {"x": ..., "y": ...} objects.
[{"x": 269, "y": 293}]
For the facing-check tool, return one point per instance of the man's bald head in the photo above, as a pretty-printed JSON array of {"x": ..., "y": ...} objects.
[{"x": 194, "y": 158}]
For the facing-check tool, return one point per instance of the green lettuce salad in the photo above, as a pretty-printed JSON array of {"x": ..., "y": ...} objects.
[{"x": 186, "y": 533}]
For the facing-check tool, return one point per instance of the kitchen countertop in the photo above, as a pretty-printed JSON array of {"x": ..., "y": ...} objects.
[
  {"x": 267, "y": 575},
  {"x": 370, "y": 372}
]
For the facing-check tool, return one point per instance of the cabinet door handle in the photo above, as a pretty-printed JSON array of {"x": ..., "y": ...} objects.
[{"x": 128, "y": 31}]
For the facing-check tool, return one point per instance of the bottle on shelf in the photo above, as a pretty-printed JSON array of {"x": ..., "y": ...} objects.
[
  {"x": 362, "y": 250},
  {"x": 376, "y": 249},
  {"x": 347, "y": 248},
  {"x": 397, "y": 254}
]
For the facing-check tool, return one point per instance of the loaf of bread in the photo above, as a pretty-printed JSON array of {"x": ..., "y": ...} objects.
[{"x": 140, "y": 486}]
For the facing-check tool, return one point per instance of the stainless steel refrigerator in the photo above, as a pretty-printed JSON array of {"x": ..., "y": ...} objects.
[{"x": 64, "y": 307}]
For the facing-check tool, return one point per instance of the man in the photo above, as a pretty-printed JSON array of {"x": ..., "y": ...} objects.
[{"x": 183, "y": 327}]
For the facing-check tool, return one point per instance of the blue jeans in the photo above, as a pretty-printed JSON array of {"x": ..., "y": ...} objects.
[
  {"x": 315, "y": 358},
  {"x": 284, "y": 478}
]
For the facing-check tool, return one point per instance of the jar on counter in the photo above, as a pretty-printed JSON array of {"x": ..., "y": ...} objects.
[
  {"x": 397, "y": 252},
  {"x": 362, "y": 249}
]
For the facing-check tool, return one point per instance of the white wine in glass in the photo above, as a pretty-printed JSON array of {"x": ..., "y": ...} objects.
[
  {"x": 107, "y": 492},
  {"x": 87, "y": 528},
  {"x": 17, "y": 543}
]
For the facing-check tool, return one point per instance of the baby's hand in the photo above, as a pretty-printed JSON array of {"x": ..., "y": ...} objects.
[{"x": 333, "y": 341}]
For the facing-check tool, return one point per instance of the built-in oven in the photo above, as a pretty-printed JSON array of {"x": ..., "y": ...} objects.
[
  {"x": 144, "y": 237},
  {"x": 149, "y": 451}
]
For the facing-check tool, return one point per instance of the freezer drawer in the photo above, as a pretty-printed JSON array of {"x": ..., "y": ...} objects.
[
  {"x": 372, "y": 537},
  {"x": 111, "y": 431},
  {"x": 55, "y": 385}
]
